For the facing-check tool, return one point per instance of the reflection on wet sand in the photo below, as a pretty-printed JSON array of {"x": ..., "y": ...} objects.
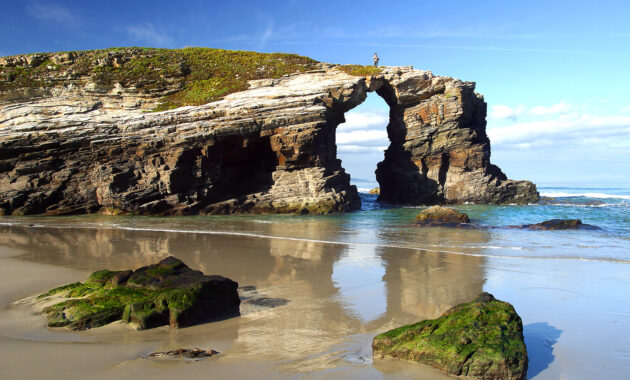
[
  {"x": 424, "y": 284},
  {"x": 335, "y": 290}
]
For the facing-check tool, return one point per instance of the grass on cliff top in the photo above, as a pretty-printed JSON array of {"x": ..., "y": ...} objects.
[
  {"x": 200, "y": 75},
  {"x": 360, "y": 70}
]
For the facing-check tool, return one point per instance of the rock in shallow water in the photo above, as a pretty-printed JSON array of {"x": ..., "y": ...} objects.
[
  {"x": 438, "y": 215},
  {"x": 167, "y": 293},
  {"x": 560, "y": 224},
  {"x": 482, "y": 339}
]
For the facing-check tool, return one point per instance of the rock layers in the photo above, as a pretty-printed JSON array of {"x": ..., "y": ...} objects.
[{"x": 81, "y": 148}]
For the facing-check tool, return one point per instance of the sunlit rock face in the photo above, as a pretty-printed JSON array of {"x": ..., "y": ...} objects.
[{"x": 268, "y": 149}]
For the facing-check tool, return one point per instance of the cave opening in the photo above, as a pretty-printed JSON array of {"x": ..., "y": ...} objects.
[{"x": 362, "y": 139}]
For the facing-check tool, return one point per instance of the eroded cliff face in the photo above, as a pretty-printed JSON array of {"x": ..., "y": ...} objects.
[{"x": 270, "y": 148}]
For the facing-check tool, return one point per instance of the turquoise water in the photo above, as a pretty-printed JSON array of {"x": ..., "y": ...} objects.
[{"x": 385, "y": 225}]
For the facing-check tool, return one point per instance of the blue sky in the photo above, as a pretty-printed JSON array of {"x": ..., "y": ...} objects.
[{"x": 554, "y": 73}]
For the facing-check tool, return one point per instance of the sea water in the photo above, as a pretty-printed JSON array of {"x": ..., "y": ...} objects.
[{"x": 350, "y": 276}]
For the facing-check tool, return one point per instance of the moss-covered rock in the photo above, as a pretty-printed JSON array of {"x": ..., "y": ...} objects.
[
  {"x": 166, "y": 293},
  {"x": 438, "y": 215},
  {"x": 481, "y": 339}
]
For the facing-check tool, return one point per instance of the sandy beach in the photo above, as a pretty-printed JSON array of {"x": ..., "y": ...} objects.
[{"x": 340, "y": 294}]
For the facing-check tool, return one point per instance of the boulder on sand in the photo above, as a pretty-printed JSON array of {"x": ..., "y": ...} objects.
[
  {"x": 481, "y": 339},
  {"x": 166, "y": 293},
  {"x": 438, "y": 216}
]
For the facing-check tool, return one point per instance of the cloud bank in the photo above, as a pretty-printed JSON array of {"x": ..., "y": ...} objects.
[
  {"x": 557, "y": 125},
  {"x": 363, "y": 132}
]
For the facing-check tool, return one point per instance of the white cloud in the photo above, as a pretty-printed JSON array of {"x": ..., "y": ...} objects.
[
  {"x": 266, "y": 34},
  {"x": 556, "y": 109},
  {"x": 366, "y": 137},
  {"x": 565, "y": 129},
  {"x": 358, "y": 149},
  {"x": 376, "y": 119},
  {"x": 51, "y": 12},
  {"x": 149, "y": 34},
  {"x": 506, "y": 112}
]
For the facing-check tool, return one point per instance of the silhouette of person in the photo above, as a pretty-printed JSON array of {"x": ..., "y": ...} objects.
[{"x": 375, "y": 59}]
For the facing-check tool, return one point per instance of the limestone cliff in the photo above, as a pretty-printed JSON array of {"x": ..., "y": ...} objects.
[{"x": 71, "y": 145}]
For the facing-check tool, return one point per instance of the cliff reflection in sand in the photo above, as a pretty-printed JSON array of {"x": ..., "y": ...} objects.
[{"x": 335, "y": 289}]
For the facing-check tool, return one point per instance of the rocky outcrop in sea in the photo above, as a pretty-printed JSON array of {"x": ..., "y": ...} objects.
[{"x": 79, "y": 144}]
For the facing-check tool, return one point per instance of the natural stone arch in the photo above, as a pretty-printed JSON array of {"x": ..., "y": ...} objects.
[
  {"x": 439, "y": 151},
  {"x": 270, "y": 148}
]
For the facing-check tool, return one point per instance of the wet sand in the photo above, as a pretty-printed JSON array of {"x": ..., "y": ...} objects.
[{"x": 576, "y": 313}]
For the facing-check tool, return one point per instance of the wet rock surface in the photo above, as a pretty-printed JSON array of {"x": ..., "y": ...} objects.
[
  {"x": 482, "y": 339},
  {"x": 183, "y": 354},
  {"x": 166, "y": 293},
  {"x": 560, "y": 224},
  {"x": 268, "y": 149},
  {"x": 441, "y": 216}
]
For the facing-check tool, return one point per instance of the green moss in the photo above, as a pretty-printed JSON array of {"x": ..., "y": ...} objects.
[
  {"x": 168, "y": 292},
  {"x": 200, "y": 75},
  {"x": 360, "y": 70},
  {"x": 483, "y": 336},
  {"x": 100, "y": 277},
  {"x": 76, "y": 289}
]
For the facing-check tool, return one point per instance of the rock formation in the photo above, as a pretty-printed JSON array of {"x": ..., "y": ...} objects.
[
  {"x": 84, "y": 147},
  {"x": 441, "y": 216},
  {"x": 560, "y": 224},
  {"x": 166, "y": 293},
  {"x": 481, "y": 339}
]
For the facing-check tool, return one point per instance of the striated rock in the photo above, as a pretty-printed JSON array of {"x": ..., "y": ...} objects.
[
  {"x": 167, "y": 293},
  {"x": 375, "y": 191},
  {"x": 560, "y": 224},
  {"x": 482, "y": 339},
  {"x": 438, "y": 215},
  {"x": 271, "y": 148}
]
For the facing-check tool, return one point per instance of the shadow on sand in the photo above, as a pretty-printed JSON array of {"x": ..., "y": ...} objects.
[{"x": 540, "y": 338}]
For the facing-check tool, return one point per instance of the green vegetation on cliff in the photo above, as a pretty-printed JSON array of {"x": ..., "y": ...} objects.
[
  {"x": 482, "y": 338},
  {"x": 189, "y": 76},
  {"x": 360, "y": 70}
]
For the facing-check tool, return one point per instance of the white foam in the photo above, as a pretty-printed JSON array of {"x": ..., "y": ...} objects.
[{"x": 588, "y": 195}]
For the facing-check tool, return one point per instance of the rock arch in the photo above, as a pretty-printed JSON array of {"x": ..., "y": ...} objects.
[
  {"x": 439, "y": 151},
  {"x": 270, "y": 148}
]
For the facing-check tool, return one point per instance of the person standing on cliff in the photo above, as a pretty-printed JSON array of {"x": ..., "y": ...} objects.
[{"x": 375, "y": 59}]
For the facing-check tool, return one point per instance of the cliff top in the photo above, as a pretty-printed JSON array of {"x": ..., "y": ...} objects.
[{"x": 174, "y": 77}]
